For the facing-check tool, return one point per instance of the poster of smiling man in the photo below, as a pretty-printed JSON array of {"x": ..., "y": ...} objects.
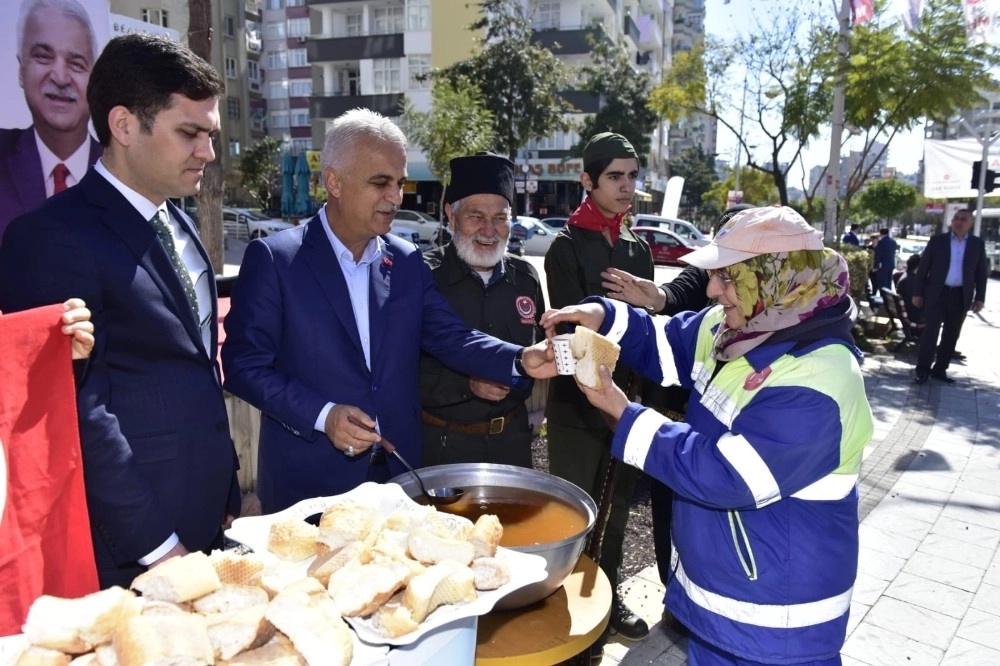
[{"x": 45, "y": 141}]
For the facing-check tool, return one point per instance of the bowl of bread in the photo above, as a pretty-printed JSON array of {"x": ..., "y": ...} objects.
[{"x": 542, "y": 515}]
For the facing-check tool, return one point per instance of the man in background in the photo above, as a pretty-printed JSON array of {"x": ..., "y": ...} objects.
[
  {"x": 467, "y": 418},
  {"x": 56, "y": 49},
  {"x": 851, "y": 237},
  {"x": 885, "y": 260}
]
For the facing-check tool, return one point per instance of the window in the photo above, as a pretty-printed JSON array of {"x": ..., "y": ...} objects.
[
  {"x": 419, "y": 65},
  {"x": 234, "y": 148},
  {"x": 547, "y": 15},
  {"x": 387, "y": 20},
  {"x": 418, "y": 14},
  {"x": 275, "y": 4},
  {"x": 300, "y": 88},
  {"x": 386, "y": 75},
  {"x": 301, "y": 145},
  {"x": 275, "y": 30},
  {"x": 257, "y": 117},
  {"x": 233, "y": 107},
  {"x": 228, "y": 25},
  {"x": 298, "y": 58},
  {"x": 299, "y": 118},
  {"x": 253, "y": 75},
  {"x": 353, "y": 24},
  {"x": 230, "y": 68},
  {"x": 298, "y": 27},
  {"x": 277, "y": 59},
  {"x": 295, "y": 3},
  {"x": 155, "y": 16},
  {"x": 279, "y": 119},
  {"x": 278, "y": 89}
]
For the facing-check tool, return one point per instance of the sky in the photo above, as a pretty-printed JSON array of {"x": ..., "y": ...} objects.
[{"x": 738, "y": 17}]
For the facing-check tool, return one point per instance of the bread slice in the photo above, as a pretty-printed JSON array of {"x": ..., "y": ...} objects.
[
  {"x": 229, "y": 598},
  {"x": 448, "y": 525},
  {"x": 232, "y": 633},
  {"x": 446, "y": 583},
  {"x": 292, "y": 539},
  {"x": 592, "y": 350},
  {"x": 358, "y": 590},
  {"x": 325, "y": 565},
  {"x": 164, "y": 640},
  {"x": 76, "y": 626},
  {"x": 34, "y": 655},
  {"x": 344, "y": 523},
  {"x": 407, "y": 519},
  {"x": 486, "y": 535},
  {"x": 315, "y": 627},
  {"x": 89, "y": 659},
  {"x": 393, "y": 619},
  {"x": 429, "y": 548},
  {"x": 237, "y": 569},
  {"x": 179, "y": 579},
  {"x": 276, "y": 577},
  {"x": 279, "y": 651},
  {"x": 490, "y": 572}
]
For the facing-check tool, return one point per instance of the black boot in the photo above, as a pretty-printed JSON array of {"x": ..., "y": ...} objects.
[{"x": 626, "y": 623}]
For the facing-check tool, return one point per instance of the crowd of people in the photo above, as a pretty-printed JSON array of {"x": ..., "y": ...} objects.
[{"x": 739, "y": 390}]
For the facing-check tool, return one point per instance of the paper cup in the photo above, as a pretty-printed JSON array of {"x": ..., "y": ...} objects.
[{"x": 565, "y": 363}]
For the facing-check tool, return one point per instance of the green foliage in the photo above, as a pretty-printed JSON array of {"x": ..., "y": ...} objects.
[
  {"x": 456, "y": 125},
  {"x": 888, "y": 198},
  {"x": 624, "y": 91},
  {"x": 684, "y": 87},
  {"x": 519, "y": 81},
  {"x": 758, "y": 189},
  {"x": 259, "y": 169},
  {"x": 698, "y": 171},
  {"x": 859, "y": 265}
]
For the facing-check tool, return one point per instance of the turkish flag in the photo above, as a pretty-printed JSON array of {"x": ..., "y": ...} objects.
[{"x": 45, "y": 542}]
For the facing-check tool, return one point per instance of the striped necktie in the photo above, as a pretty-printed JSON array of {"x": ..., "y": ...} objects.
[{"x": 162, "y": 229}]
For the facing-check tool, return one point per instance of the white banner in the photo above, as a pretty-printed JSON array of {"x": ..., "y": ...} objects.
[
  {"x": 982, "y": 21},
  {"x": 948, "y": 167}
]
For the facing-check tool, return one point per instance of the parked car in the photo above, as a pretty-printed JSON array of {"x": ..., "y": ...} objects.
[
  {"x": 907, "y": 246},
  {"x": 682, "y": 228},
  {"x": 555, "y": 222},
  {"x": 667, "y": 247},
  {"x": 535, "y": 235},
  {"x": 422, "y": 223},
  {"x": 243, "y": 223},
  {"x": 405, "y": 233}
]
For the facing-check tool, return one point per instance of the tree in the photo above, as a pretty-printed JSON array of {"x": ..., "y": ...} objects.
[
  {"x": 259, "y": 169},
  {"x": 456, "y": 125},
  {"x": 519, "y": 81},
  {"x": 698, "y": 171},
  {"x": 888, "y": 198},
  {"x": 210, "y": 197},
  {"x": 758, "y": 188},
  {"x": 623, "y": 91}
]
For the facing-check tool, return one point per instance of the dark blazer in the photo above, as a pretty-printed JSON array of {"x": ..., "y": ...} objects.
[
  {"x": 292, "y": 345},
  {"x": 157, "y": 453},
  {"x": 22, "y": 183},
  {"x": 933, "y": 270}
]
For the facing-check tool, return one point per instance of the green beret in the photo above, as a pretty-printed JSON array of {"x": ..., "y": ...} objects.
[{"x": 607, "y": 146}]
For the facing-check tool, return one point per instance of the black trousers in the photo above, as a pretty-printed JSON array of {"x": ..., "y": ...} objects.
[
  {"x": 946, "y": 318},
  {"x": 511, "y": 446}
]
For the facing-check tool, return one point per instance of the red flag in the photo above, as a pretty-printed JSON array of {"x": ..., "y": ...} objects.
[
  {"x": 862, "y": 11},
  {"x": 45, "y": 542}
]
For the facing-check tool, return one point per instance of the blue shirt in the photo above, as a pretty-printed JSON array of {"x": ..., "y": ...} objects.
[{"x": 954, "y": 277}]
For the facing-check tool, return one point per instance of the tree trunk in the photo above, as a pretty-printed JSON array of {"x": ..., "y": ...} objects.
[{"x": 212, "y": 185}]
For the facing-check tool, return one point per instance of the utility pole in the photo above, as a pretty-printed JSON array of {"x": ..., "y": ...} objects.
[
  {"x": 837, "y": 131},
  {"x": 739, "y": 141}
]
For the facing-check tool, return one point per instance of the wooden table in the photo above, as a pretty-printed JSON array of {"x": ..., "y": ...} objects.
[{"x": 552, "y": 630}]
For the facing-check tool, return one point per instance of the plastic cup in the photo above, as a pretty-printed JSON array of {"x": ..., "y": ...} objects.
[{"x": 565, "y": 363}]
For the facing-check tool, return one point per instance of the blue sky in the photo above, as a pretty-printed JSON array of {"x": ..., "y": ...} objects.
[{"x": 739, "y": 16}]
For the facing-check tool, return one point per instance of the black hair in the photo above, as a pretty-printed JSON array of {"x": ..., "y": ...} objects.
[
  {"x": 912, "y": 262},
  {"x": 596, "y": 168},
  {"x": 729, "y": 214},
  {"x": 141, "y": 72}
]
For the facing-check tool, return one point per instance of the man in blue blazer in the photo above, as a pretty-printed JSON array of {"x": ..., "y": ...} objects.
[
  {"x": 159, "y": 464},
  {"x": 950, "y": 280},
  {"x": 327, "y": 322},
  {"x": 56, "y": 50}
]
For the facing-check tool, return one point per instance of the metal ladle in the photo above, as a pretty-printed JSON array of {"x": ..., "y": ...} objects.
[{"x": 438, "y": 496}]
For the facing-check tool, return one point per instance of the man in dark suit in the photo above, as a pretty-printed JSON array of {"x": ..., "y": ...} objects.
[
  {"x": 885, "y": 260},
  {"x": 327, "y": 323},
  {"x": 159, "y": 464},
  {"x": 56, "y": 50},
  {"x": 950, "y": 280}
]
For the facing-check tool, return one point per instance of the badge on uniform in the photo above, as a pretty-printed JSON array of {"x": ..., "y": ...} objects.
[
  {"x": 755, "y": 379},
  {"x": 525, "y": 306}
]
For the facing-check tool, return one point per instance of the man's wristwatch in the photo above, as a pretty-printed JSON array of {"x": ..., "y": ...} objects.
[{"x": 518, "y": 365}]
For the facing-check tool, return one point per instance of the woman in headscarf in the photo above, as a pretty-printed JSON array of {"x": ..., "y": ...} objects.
[{"x": 765, "y": 466}]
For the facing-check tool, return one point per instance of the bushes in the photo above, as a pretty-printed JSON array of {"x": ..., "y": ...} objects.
[{"x": 859, "y": 264}]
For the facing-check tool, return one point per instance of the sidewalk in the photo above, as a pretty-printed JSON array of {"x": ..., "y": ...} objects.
[{"x": 928, "y": 586}]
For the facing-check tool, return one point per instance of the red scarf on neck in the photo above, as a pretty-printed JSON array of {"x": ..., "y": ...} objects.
[{"x": 587, "y": 216}]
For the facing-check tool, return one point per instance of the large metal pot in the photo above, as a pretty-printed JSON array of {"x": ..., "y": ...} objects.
[{"x": 560, "y": 556}]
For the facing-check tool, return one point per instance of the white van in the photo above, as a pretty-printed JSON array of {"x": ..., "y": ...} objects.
[{"x": 682, "y": 228}]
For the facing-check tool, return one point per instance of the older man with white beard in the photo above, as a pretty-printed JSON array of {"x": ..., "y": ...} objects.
[{"x": 467, "y": 418}]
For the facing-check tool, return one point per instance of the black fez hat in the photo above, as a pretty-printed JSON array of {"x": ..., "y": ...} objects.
[{"x": 482, "y": 173}]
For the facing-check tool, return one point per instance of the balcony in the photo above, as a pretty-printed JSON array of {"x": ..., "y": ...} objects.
[
  {"x": 251, "y": 7},
  {"x": 334, "y": 105},
  {"x": 320, "y": 3},
  {"x": 253, "y": 42},
  {"x": 632, "y": 30},
  {"x": 567, "y": 42},
  {"x": 582, "y": 101},
  {"x": 253, "y": 83},
  {"x": 330, "y": 49}
]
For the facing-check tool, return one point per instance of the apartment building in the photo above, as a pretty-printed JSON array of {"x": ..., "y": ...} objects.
[
  {"x": 697, "y": 129},
  {"x": 288, "y": 84}
]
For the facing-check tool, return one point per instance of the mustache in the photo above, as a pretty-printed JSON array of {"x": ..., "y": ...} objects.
[{"x": 60, "y": 91}]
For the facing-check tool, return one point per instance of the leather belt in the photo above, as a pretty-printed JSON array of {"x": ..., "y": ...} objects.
[{"x": 492, "y": 427}]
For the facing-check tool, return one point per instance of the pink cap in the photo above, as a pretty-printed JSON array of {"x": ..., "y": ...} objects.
[{"x": 766, "y": 230}]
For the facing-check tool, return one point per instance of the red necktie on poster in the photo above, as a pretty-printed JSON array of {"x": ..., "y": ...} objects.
[
  {"x": 59, "y": 173},
  {"x": 45, "y": 542}
]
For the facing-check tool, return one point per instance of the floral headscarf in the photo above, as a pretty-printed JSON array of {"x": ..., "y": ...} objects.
[{"x": 778, "y": 291}]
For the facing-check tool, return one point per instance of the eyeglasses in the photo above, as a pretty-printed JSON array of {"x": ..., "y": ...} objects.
[{"x": 724, "y": 278}]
